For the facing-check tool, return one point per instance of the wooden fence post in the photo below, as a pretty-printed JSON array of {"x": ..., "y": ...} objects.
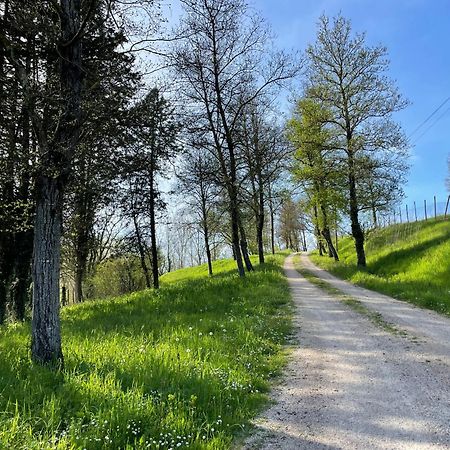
[
  {"x": 435, "y": 214},
  {"x": 446, "y": 206},
  {"x": 407, "y": 215},
  {"x": 415, "y": 210},
  {"x": 425, "y": 207}
]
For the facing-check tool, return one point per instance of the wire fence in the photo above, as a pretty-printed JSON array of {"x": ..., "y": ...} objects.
[{"x": 413, "y": 212}]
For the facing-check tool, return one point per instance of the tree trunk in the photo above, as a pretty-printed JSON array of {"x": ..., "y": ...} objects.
[
  {"x": 357, "y": 232},
  {"x": 154, "y": 248},
  {"x": 148, "y": 282},
  {"x": 234, "y": 215},
  {"x": 260, "y": 225},
  {"x": 374, "y": 217},
  {"x": 317, "y": 232},
  {"x": 327, "y": 235},
  {"x": 57, "y": 164},
  {"x": 206, "y": 236},
  {"x": 46, "y": 333},
  {"x": 244, "y": 248},
  {"x": 272, "y": 221},
  {"x": 22, "y": 274},
  {"x": 305, "y": 247}
]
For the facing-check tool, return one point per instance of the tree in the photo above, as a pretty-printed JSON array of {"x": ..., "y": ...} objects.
[
  {"x": 292, "y": 225},
  {"x": 153, "y": 133},
  {"x": 110, "y": 83},
  {"x": 46, "y": 50},
  {"x": 315, "y": 168},
  {"x": 349, "y": 78},
  {"x": 224, "y": 52},
  {"x": 196, "y": 181},
  {"x": 265, "y": 156}
]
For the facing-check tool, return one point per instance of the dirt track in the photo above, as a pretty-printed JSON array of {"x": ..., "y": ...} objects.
[{"x": 350, "y": 384}]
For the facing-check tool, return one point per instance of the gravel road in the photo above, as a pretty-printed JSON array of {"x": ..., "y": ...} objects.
[{"x": 352, "y": 385}]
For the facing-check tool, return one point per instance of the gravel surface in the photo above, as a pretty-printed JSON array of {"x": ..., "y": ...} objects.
[{"x": 352, "y": 385}]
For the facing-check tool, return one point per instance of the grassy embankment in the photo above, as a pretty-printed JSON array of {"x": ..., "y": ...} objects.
[
  {"x": 187, "y": 366},
  {"x": 408, "y": 261}
]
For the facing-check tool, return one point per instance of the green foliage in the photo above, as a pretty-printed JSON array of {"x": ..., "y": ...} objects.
[
  {"x": 116, "y": 276},
  {"x": 409, "y": 261},
  {"x": 188, "y": 364}
]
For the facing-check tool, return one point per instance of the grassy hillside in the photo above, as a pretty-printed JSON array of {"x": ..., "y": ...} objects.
[
  {"x": 183, "y": 367},
  {"x": 408, "y": 261}
]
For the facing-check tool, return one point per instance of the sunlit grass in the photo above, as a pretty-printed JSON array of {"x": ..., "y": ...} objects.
[
  {"x": 408, "y": 261},
  {"x": 187, "y": 366}
]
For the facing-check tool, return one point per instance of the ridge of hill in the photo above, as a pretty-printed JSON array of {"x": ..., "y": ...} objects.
[{"x": 406, "y": 261}]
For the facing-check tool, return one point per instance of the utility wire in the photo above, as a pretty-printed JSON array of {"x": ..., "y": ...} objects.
[
  {"x": 428, "y": 118},
  {"x": 432, "y": 125}
]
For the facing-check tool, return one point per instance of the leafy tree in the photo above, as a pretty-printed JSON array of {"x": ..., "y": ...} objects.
[
  {"x": 153, "y": 143},
  {"x": 349, "y": 79},
  {"x": 265, "y": 156},
  {"x": 225, "y": 52},
  {"x": 315, "y": 167},
  {"x": 292, "y": 225}
]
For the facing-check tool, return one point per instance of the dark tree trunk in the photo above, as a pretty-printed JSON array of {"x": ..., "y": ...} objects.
[
  {"x": 327, "y": 235},
  {"x": 206, "y": 236},
  {"x": 317, "y": 232},
  {"x": 24, "y": 239},
  {"x": 141, "y": 249},
  {"x": 357, "y": 232},
  {"x": 153, "y": 245},
  {"x": 272, "y": 222},
  {"x": 22, "y": 274},
  {"x": 56, "y": 162},
  {"x": 305, "y": 247},
  {"x": 234, "y": 215},
  {"x": 244, "y": 248},
  {"x": 260, "y": 224},
  {"x": 46, "y": 333}
]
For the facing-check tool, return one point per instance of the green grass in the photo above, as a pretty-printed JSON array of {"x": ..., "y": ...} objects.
[
  {"x": 187, "y": 366},
  {"x": 409, "y": 262}
]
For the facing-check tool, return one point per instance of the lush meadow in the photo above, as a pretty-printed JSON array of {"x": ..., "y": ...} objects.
[
  {"x": 407, "y": 261},
  {"x": 187, "y": 366}
]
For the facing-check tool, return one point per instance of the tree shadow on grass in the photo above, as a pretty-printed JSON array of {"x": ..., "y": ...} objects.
[
  {"x": 159, "y": 389},
  {"x": 400, "y": 260}
]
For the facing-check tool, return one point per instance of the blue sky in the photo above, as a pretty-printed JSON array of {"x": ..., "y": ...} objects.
[{"x": 416, "y": 33}]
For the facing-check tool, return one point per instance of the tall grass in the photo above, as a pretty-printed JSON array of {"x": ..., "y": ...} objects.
[
  {"x": 408, "y": 261},
  {"x": 187, "y": 366}
]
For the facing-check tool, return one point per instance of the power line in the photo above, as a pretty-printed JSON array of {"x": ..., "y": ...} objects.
[
  {"x": 432, "y": 124},
  {"x": 428, "y": 118}
]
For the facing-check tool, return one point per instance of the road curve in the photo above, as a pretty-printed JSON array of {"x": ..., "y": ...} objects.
[{"x": 352, "y": 385}]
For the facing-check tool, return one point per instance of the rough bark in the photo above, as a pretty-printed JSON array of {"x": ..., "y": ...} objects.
[
  {"x": 56, "y": 167},
  {"x": 46, "y": 333}
]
